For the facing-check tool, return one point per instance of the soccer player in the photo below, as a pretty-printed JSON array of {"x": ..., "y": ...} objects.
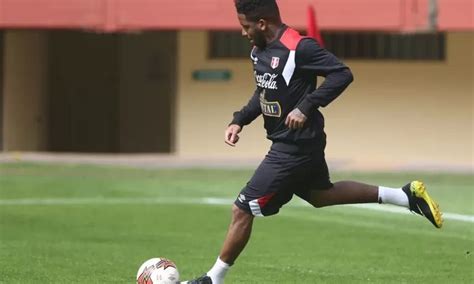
[{"x": 286, "y": 66}]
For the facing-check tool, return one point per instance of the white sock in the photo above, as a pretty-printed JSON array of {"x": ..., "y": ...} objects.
[
  {"x": 395, "y": 196},
  {"x": 218, "y": 271}
]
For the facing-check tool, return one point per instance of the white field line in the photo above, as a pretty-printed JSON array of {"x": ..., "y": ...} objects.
[{"x": 201, "y": 201}]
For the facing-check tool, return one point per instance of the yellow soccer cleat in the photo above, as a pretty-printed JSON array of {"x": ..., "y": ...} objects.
[{"x": 421, "y": 203}]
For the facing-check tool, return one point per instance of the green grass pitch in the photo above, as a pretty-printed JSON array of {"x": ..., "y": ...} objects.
[{"x": 90, "y": 224}]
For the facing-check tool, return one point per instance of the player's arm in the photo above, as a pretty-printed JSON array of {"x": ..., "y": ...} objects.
[
  {"x": 243, "y": 117},
  {"x": 310, "y": 56}
]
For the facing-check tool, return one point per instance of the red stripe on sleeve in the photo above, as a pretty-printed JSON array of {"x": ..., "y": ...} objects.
[{"x": 290, "y": 38}]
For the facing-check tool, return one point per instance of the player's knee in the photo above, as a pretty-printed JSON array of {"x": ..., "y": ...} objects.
[
  {"x": 317, "y": 200},
  {"x": 318, "y": 204},
  {"x": 240, "y": 216}
]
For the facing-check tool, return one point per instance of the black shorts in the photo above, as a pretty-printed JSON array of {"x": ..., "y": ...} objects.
[{"x": 279, "y": 176}]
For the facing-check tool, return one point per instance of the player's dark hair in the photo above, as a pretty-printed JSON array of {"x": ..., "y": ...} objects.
[{"x": 255, "y": 10}]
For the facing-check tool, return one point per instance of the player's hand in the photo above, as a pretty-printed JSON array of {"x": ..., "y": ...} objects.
[
  {"x": 231, "y": 134},
  {"x": 295, "y": 119}
]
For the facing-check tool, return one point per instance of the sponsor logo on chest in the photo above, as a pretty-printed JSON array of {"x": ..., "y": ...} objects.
[
  {"x": 269, "y": 108},
  {"x": 266, "y": 81}
]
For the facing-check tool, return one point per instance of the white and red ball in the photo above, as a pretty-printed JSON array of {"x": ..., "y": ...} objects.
[{"x": 158, "y": 271}]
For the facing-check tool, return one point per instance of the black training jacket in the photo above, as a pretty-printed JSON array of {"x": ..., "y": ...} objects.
[{"x": 285, "y": 72}]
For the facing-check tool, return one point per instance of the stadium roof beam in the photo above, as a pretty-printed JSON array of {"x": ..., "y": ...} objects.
[{"x": 126, "y": 15}]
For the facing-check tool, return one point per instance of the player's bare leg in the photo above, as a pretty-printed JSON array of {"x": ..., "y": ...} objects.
[
  {"x": 237, "y": 238},
  {"x": 345, "y": 192},
  {"x": 412, "y": 196},
  {"x": 237, "y": 235}
]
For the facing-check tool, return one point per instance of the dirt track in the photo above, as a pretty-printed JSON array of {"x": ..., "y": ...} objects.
[
  {"x": 133, "y": 160},
  {"x": 173, "y": 161}
]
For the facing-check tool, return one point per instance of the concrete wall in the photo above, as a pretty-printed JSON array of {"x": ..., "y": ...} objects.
[
  {"x": 85, "y": 92},
  {"x": 1, "y": 89},
  {"x": 407, "y": 114},
  {"x": 83, "y": 81},
  {"x": 399, "y": 114},
  {"x": 114, "y": 94},
  {"x": 147, "y": 66},
  {"x": 24, "y": 94}
]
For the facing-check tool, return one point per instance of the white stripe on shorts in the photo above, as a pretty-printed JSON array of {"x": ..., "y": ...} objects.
[{"x": 255, "y": 207}]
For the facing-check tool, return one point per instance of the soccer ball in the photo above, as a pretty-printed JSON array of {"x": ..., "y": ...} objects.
[{"x": 158, "y": 271}]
